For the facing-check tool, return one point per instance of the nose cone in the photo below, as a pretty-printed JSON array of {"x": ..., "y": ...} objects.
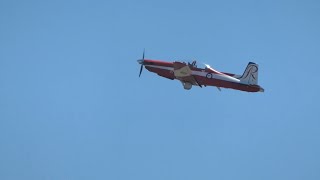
[{"x": 140, "y": 61}]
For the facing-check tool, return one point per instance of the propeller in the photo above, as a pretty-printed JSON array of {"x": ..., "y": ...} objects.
[{"x": 141, "y": 61}]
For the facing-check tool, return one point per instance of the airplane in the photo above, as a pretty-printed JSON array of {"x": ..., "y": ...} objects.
[{"x": 191, "y": 75}]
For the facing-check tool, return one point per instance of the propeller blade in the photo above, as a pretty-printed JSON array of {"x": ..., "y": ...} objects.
[
  {"x": 141, "y": 70},
  {"x": 143, "y": 54}
]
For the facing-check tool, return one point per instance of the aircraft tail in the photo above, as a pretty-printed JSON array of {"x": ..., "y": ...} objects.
[{"x": 250, "y": 75}]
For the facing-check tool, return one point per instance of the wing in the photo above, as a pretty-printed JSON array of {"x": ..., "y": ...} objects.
[{"x": 184, "y": 73}]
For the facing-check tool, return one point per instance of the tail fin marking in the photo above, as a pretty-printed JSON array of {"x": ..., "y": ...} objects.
[{"x": 250, "y": 75}]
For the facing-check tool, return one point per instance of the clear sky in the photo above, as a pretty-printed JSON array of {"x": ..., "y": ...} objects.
[{"x": 72, "y": 105}]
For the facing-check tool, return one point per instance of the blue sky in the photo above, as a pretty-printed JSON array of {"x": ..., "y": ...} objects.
[{"x": 72, "y": 105}]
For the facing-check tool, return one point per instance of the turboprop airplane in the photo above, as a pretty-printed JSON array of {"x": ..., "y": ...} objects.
[{"x": 191, "y": 75}]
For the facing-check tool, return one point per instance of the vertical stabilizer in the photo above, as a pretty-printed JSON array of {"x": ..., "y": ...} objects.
[{"x": 250, "y": 75}]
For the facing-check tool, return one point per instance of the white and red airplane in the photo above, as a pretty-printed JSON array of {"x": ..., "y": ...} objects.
[{"x": 190, "y": 75}]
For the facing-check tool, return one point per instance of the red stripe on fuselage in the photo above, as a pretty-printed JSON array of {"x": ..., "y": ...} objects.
[
  {"x": 161, "y": 72},
  {"x": 157, "y": 63}
]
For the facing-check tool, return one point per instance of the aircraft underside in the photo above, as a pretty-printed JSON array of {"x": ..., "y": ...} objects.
[{"x": 207, "y": 80}]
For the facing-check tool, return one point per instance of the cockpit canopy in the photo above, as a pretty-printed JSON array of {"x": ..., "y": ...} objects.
[{"x": 193, "y": 64}]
